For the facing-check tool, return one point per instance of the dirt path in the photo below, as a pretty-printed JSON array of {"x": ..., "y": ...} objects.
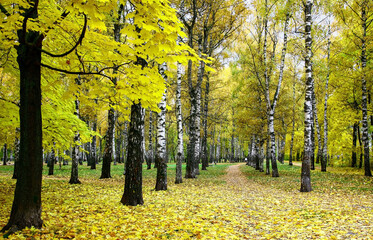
[{"x": 235, "y": 177}]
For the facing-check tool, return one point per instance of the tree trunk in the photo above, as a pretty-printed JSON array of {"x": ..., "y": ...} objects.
[
  {"x": 132, "y": 195},
  {"x": 268, "y": 153},
  {"x": 16, "y": 156},
  {"x": 261, "y": 154},
  {"x": 293, "y": 126},
  {"x": 179, "y": 117},
  {"x": 5, "y": 154},
  {"x": 26, "y": 208},
  {"x": 212, "y": 147},
  {"x": 124, "y": 143},
  {"x": 361, "y": 147},
  {"x": 318, "y": 131},
  {"x": 74, "y": 177},
  {"x": 218, "y": 146},
  {"x": 306, "y": 161},
  {"x": 272, "y": 107},
  {"x": 118, "y": 142},
  {"x": 143, "y": 112},
  {"x": 365, "y": 137},
  {"x": 93, "y": 154},
  {"x": 272, "y": 144},
  {"x": 312, "y": 132},
  {"x": 324, "y": 159},
  {"x": 51, "y": 163},
  {"x": 160, "y": 157},
  {"x": 108, "y": 151},
  {"x": 354, "y": 140},
  {"x": 150, "y": 154},
  {"x": 255, "y": 155},
  {"x": 191, "y": 157},
  {"x": 205, "y": 162}
]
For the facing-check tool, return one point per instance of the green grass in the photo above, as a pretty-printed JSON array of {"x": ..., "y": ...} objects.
[
  {"x": 341, "y": 179},
  {"x": 214, "y": 172}
]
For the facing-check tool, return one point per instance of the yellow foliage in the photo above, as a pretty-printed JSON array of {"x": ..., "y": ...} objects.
[{"x": 203, "y": 208}]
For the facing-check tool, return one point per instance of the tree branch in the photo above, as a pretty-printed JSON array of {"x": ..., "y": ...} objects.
[
  {"x": 10, "y": 101},
  {"x": 78, "y": 72},
  {"x": 76, "y": 45},
  {"x": 3, "y": 10}
]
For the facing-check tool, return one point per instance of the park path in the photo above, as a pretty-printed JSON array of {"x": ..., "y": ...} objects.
[{"x": 235, "y": 177}]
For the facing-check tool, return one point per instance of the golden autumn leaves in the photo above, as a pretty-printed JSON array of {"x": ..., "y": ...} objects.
[{"x": 203, "y": 208}]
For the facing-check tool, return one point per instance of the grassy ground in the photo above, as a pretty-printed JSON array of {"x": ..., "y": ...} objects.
[
  {"x": 340, "y": 207},
  {"x": 336, "y": 179}
]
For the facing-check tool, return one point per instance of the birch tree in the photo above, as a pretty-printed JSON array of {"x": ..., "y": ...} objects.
[
  {"x": 160, "y": 157},
  {"x": 306, "y": 161},
  {"x": 150, "y": 154},
  {"x": 179, "y": 119},
  {"x": 324, "y": 158},
  {"x": 271, "y": 105},
  {"x": 365, "y": 136}
]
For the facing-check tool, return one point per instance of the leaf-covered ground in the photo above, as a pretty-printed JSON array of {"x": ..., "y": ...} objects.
[{"x": 243, "y": 204}]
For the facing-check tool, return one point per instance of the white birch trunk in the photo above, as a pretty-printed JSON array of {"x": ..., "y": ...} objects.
[
  {"x": 161, "y": 160},
  {"x": 306, "y": 163},
  {"x": 150, "y": 155},
  {"x": 179, "y": 119},
  {"x": 143, "y": 112},
  {"x": 365, "y": 137},
  {"x": 324, "y": 158},
  {"x": 318, "y": 131}
]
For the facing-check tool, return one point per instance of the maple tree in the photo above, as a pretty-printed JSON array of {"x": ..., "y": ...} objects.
[
  {"x": 79, "y": 78},
  {"x": 89, "y": 60}
]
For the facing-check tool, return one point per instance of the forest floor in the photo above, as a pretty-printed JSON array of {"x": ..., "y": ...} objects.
[{"x": 229, "y": 201}]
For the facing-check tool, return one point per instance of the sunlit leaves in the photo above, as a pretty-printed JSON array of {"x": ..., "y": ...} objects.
[{"x": 203, "y": 208}]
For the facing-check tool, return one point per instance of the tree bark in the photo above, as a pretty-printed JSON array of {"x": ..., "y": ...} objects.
[
  {"x": 5, "y": 154},
  {"x": 306, "y": 162},
  {"x": 365, "y": 137},
  {"x": 26, "y": 208},
  {"x": 268, "y": 157},
  {"x": 108, "y": 151},
  {"x": 118, "y": 143},
  {"x": 271, "y": 107},
  {"x": 205, "y": 161},
  {"x": 51, "y": 163},
  {"x": 255, "y": 155},
  {"x": 93, "y": 154},
  {"x": 293, "y": 126},
  {"x": 132, "y": 195},
  {"x": 324, "y": 159},
  {"x": 160, "y": 157},
  {"x": 179, "y": 117},
  {"x": 218, "y": 147},
  {"x": 74, "y": 177},
  {"x": 318, "y": 131},
  {"x": 354, "y": 140},
  {"x": 150, "y": 155},
  {"x": 16, "y": 156}
]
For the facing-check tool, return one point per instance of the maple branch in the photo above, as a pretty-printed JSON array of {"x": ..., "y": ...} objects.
[
  {"x": 77, "y": 73},
  {"x": 24, "y": 24},
  {"x": 3, "y": 10},
  {"x": 10, "y": 101},
  {"x": 83, "y": 72},
  {"x": 76, "y": 44}
]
